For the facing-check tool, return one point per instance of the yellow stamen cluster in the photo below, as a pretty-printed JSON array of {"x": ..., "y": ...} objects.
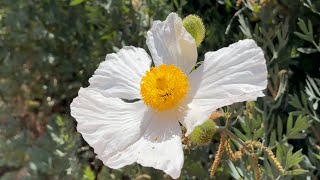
[{"x": 164, "y": 87}]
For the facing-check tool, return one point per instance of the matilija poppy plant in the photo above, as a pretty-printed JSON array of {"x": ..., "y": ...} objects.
[{"x": 131, "y": 111}]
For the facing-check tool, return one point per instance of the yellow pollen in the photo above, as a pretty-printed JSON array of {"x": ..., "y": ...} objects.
[{"x": 163, "y": 87}]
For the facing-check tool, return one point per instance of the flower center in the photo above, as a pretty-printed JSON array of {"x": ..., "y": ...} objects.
[{"x": 163, "y": 87}]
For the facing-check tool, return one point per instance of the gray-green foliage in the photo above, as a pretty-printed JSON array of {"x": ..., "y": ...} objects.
[
  {"x": 49, "y": 49},
  {"x": 284, "y": 54}
]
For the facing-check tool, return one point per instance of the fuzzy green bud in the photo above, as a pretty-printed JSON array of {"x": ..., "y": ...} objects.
[
  {"x": 202, "y": 134},
  {"x": 195, "y": 27}
]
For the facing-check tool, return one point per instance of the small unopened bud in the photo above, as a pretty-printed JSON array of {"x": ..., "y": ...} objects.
[
  {"x": 202, "y": 134},
  {"x": 195, "y": 27}
]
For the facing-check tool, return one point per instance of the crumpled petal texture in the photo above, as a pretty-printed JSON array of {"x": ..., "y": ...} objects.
[
  {"x": 159, "y": 147},
  {"x": 122, "y": 131},
  {"x": 170, "y": 43},
  {"x": 108, "y": 125},
  {"x": 232, "y": 74},
  {"x": 120, "y": 74}
]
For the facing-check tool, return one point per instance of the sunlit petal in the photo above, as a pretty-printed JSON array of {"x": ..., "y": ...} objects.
[
  {"x": 159, "y": 147},
  {"x": 169, "y": 43},
  {"x": 120, "y": 74},
  {"x": 123, "y": 133},
  {"x": 232, "y": 74}
]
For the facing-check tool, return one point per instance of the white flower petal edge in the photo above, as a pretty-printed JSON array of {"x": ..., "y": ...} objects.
[
  {"x": 108, "y": 124},
  {"x": 160, "y": 147},
  {"x": 170, "y": 43},
  {"x": 120, "y": 74},
  {"x": 123, "y": 133},
  {"x": 232, "y": 74}
]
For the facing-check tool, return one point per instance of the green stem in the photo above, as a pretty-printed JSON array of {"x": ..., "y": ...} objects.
[
  {"x": 226, "y": 131},
  {"x": 227, "y": 123},
  {"x": 234, "y": 137}
]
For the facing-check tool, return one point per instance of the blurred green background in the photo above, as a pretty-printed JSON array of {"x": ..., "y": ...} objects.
[{"x": 49, "y": 49}]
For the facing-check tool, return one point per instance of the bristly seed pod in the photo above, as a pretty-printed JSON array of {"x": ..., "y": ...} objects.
[
  {"x": 202, "y": 134},
  {"x": 195, "y": 27}
]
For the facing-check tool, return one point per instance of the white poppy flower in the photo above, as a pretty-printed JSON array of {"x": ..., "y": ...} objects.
[{"x": 147, "y": 130}]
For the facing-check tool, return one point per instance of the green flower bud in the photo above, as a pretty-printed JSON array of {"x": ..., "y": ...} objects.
[
  {"x": 195, "y": 27},
  {"x": 202, "y": 134}
]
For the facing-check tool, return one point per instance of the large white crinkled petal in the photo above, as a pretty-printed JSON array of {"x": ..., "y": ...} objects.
[
  {"x": 233, "y": 74},
  {"x": 160, "y": 147},
  {"x": 120, "y": 74},
  {"x": 170, "y": 43},
  {"x": 109, "y": 125},
  {"x": 123, "y": 133}
]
